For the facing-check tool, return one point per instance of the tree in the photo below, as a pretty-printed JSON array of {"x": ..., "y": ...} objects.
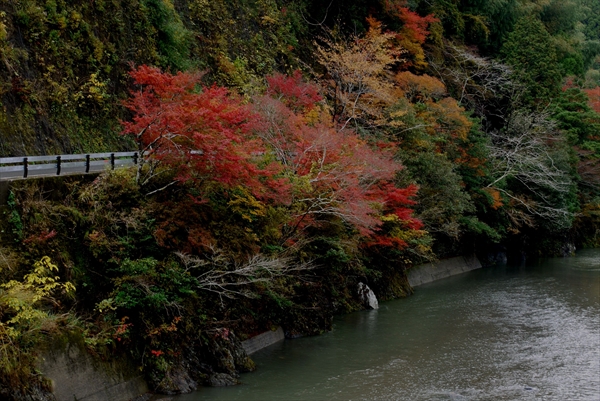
[
  {"x": 335, "y": 174},
  {"x": 218, "y": 274},
  {"x": 479, "y": 84},
  {"x": 436, "y": 137},
  {"x": 594, "y": 98},
  {"x": 203, "y": 134},
  {"x": 413, "y": 33},
  {"x": 575, "y": 116},
  {"x": 26, "y": 317},
  {"x": 357, "y": 75},
  {"x": 529, "y": 49},
  {"x": 531, "y": 168}
]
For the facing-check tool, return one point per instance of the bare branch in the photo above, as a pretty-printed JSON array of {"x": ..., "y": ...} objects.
[
  {"x": 475, "y": 80},
  {"x": 523, "y": 152},
  {"x": 217, "y": 273}
]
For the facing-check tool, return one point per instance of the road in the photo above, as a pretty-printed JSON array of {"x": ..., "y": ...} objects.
[{"x": 44, "y": 170}]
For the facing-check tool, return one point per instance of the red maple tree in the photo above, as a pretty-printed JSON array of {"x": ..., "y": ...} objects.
[
  {"x": 281, "y": 147},
  {"x": 335, "y": 173},
  {"x": 414, "y": 30},
  {"x": 203, "y": 133}
]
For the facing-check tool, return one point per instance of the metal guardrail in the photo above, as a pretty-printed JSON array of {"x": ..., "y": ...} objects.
[{"x": 35, "y": 166}]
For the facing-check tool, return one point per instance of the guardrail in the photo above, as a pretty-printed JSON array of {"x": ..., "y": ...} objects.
[{"x": 35, "y": 166}]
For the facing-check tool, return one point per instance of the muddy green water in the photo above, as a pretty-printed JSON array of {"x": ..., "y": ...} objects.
[{"x": 504, "y": 333}]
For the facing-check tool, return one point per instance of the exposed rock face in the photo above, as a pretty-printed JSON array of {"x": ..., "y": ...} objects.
[
  {"x": 568, "y": 249},
  {"x": 367, "y": 297},
  {"x": 176, "y": 381},
  {"x": 216, "y": 359},
  {"x": 222, "y": 380}
]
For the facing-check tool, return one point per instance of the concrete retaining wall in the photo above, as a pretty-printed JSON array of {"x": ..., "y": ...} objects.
[
  {"x": 441, "y": 269},
  {"x": 77, "y": 376},
  {"x": 263, "y": 340}
]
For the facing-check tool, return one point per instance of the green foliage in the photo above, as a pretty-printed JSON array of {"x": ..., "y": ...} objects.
[
  {"x": 173, "y": 38},
  {"x": 473, "y": 225},
  {"x": 575, "y": 116},
  {"x": 485, "y": 23},
  {"x": 26, "y": 322},
  {"x": 441, "y": 199},
  {"x": 67, "y": 63},
  {"x": 66, "y": 73},
  {"x": 530, "y": 51},
  {"x": 144, "y": 285},
  {"x": 244, "y": 41},
  {"x": 560, "y": 16},
  {"x": 440, "y": 152},
  {"x": 14, "y": 218}
]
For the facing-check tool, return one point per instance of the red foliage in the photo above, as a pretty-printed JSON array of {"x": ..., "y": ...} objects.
[
  {"x": 204, "y": 133},
  {"x": 293, "y": 91},
  {"x": 337, "y": 173},
  {"x": 40, "y": 238},
  {"x": 396, "y": 202},
  {"x": 569, "y": 83},
  {"x": 415, "y": 26},
  {"x": 156, "y": 353},
  {"x": 413, "y": 33},
  {"x": 122, "y": 329},
  {"x": 207, "y": 134}
]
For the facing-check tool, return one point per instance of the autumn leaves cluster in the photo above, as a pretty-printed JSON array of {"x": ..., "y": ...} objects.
[{"x": 280, "y": 148}]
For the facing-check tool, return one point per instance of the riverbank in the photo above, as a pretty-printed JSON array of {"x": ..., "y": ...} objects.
[
  {"x": 75, "y": 375},
  {"x": 177, "y": 284},
  {"x": 503, "y": 333},
  {"x": 438, "y": 270}
]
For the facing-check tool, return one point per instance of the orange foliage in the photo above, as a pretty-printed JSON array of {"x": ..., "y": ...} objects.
[
  {"x": 419, "y": 88},
  {"x": 496, "y": 198},
  {"x": 594, "y": 95}
]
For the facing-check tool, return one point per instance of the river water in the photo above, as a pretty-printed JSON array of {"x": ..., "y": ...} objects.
[{"x": 503, "y": 333}]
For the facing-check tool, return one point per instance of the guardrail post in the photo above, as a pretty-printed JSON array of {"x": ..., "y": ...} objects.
[
  {"x": 87, "y": 163},
  {"x": 135, "y": 158},
  {"x": 25, "y": 167},
  {"x": 112, "y": 161},
  {"x": 58, "y": 165}
]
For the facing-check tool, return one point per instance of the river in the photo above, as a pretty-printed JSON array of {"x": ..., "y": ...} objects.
[{"x": 502, "y": 333}]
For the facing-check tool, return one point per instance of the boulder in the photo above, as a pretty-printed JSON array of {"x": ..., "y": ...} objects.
[
  {"x": 222, "y": 380},
  {"x": 367, "y": 296}
]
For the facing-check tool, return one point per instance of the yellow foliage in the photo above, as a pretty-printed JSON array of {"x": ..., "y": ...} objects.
[
  {"x": 358, "y": 74},
  {"x": 417, "y": 54},
  {"x": 390, "y": 218},
  {"x": 19, "y": 300},
  {"x": 314, "y": 116},
  {"x": 3, "y": 33},
  {"x": 449, "y": 117},
  {"x": 246, "y": 205}
]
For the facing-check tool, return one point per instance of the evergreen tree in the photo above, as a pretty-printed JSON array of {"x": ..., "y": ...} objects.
[{"x": 530, "y": 51}]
